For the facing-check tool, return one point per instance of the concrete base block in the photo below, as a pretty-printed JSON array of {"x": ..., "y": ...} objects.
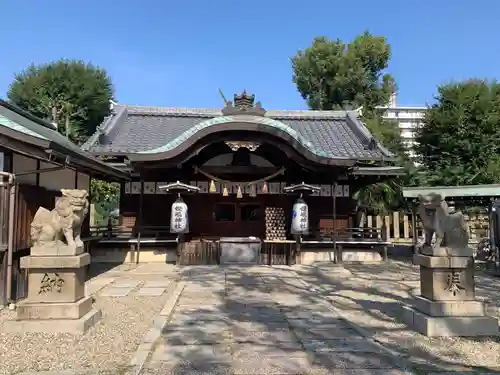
[
  {"x": 449, "y": 326},
  {"x": 361, "y": 256},
  {"x": 73, "y": 326},
  {"x": 56, "y": 285},
  {"x": 49, "y": 311},
  {"x": 445, "y": 251},
  {"x": 449, "y": 308},
  {"x": 56, "y": 249},
  {"x": 447, "y": 284},
  {"x": 55, "y": 262}
]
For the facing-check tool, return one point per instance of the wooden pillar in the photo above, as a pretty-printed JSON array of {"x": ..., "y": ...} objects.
[
  {"x": 298, "y": 241},
  {"x": 387, "y": 227},
  {"x": 270, "y": 254},
  {"x": 406, "y": 231},
  {"x": 334, "y": 218},
  {"x": 109, "y": 228},
  {"x": 395, "y": 224},
  {"x": 339, "y": 254},
  {"x": 180, "y": 245},
  {"x": 141, "y": 221}
]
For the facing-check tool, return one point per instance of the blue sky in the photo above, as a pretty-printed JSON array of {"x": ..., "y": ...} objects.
[{"x": 178, "y": 53}]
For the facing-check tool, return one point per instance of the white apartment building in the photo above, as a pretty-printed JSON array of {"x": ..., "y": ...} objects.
[{"x": 408, "y": 119}]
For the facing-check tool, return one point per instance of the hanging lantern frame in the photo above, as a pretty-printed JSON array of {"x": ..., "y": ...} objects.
[
  {"x": 180, "y": 187},
  {"x": 301, "y": 189}
]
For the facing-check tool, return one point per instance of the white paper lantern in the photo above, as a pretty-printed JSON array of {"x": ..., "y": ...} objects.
[
  {"x": 179, "y": 219},
  {"x": 300, "y": 218}
]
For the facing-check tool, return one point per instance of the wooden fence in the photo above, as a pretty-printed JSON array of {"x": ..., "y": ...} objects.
[{"x": 398, "y": 226}]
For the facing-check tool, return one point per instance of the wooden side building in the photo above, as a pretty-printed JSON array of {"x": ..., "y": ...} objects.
[
  {"x": 36, "y": 162},
  {"x": 241, "y": 158}
]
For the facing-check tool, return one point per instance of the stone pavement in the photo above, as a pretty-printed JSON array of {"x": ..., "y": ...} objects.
[
  {"x": 124, "y": 287},
  {"x": 255, "y": 320}
]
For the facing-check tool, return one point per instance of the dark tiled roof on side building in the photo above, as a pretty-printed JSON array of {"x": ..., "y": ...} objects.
[{"x": 24, "y": 127}]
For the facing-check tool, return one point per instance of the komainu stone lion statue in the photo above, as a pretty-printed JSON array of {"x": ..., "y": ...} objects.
[
  {"x": 450, "y": 229},
  {"x": 62, "y": 225}
]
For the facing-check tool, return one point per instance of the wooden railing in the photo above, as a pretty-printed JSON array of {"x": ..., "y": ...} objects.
[
  {"x": 361, "y": 233},
  {"x": 110, "y": 231},
  {"x": 203, "y": 252},
  {"x": 397, "y": 227}
]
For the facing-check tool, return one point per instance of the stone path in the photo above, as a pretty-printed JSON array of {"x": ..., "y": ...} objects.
[
  {"x": 250, "y": 321},
  {"x": 124, "y": 286}
]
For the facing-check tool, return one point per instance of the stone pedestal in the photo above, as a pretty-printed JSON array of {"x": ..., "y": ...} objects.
[
  {"x": 56, "y": 299},
  {"x": 447, "y": 305}
]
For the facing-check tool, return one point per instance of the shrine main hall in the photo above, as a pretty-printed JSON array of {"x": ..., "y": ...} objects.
[{"x": 238, "y": 171}]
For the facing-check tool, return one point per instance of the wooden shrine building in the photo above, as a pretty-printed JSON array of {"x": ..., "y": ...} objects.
[
  {"x": 240, "y": 160},
  {"x": 36, "y": 162}
]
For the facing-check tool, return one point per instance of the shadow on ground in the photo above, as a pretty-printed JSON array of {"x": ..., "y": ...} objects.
[
  {"x": 372, "y": 296},
  {"x": 239, "y": 322},
  {"x": 246, "y": 321}
]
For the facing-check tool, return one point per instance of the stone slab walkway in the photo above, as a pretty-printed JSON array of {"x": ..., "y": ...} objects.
[
  {"x": 255, "y": 320},
  {"x": 121, "y": 287},
  {"x": 252, "y": 321}
]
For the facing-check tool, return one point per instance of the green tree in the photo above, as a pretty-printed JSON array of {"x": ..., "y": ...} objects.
[
  {"x": 458, "y": 140},
  {"x": 337, "y": 75},
  {"x": 333, "y": 75},
  {"x": 73, "y": 94},
  {"x": 108, "y": 199}
]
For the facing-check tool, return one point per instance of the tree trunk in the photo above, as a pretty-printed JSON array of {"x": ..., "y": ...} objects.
[{"x": 67, "y": 126}]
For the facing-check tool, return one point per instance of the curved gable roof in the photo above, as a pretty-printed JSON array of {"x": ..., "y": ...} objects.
[{"x": 135, "y": 130}]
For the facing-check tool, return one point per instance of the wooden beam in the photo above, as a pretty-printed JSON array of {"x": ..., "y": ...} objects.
[
  {"x": 23, "y": 137},
  {"x": 225, "y": 170},
  {"x": 23, "y": 148}
]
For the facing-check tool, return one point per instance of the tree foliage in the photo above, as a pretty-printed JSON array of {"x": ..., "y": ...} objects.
[
  {"x": 332, "y": 74},
  {"x": 337, "y": 75},
  {"x": 71, "y": 93},
  {"x": 458, "y": 140},
  {"x": 108, "y": 199},
  {"x": 378, "y": 198}
]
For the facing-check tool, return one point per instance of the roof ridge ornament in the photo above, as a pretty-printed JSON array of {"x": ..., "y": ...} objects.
[
  {"x": 244, "y": 100},
  {"x": 243, "y": 104}
]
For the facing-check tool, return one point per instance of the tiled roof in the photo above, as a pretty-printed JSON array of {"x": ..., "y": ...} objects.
[
  {"x": 25, "y": 124},
  {"x": 4, "y": 121},
  {"x": 134, "y": 129}
]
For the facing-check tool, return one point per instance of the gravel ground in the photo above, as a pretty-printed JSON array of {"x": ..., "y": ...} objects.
[
  {"x": 107, "y": 346},
  {"x": 370, "y": 298}
]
